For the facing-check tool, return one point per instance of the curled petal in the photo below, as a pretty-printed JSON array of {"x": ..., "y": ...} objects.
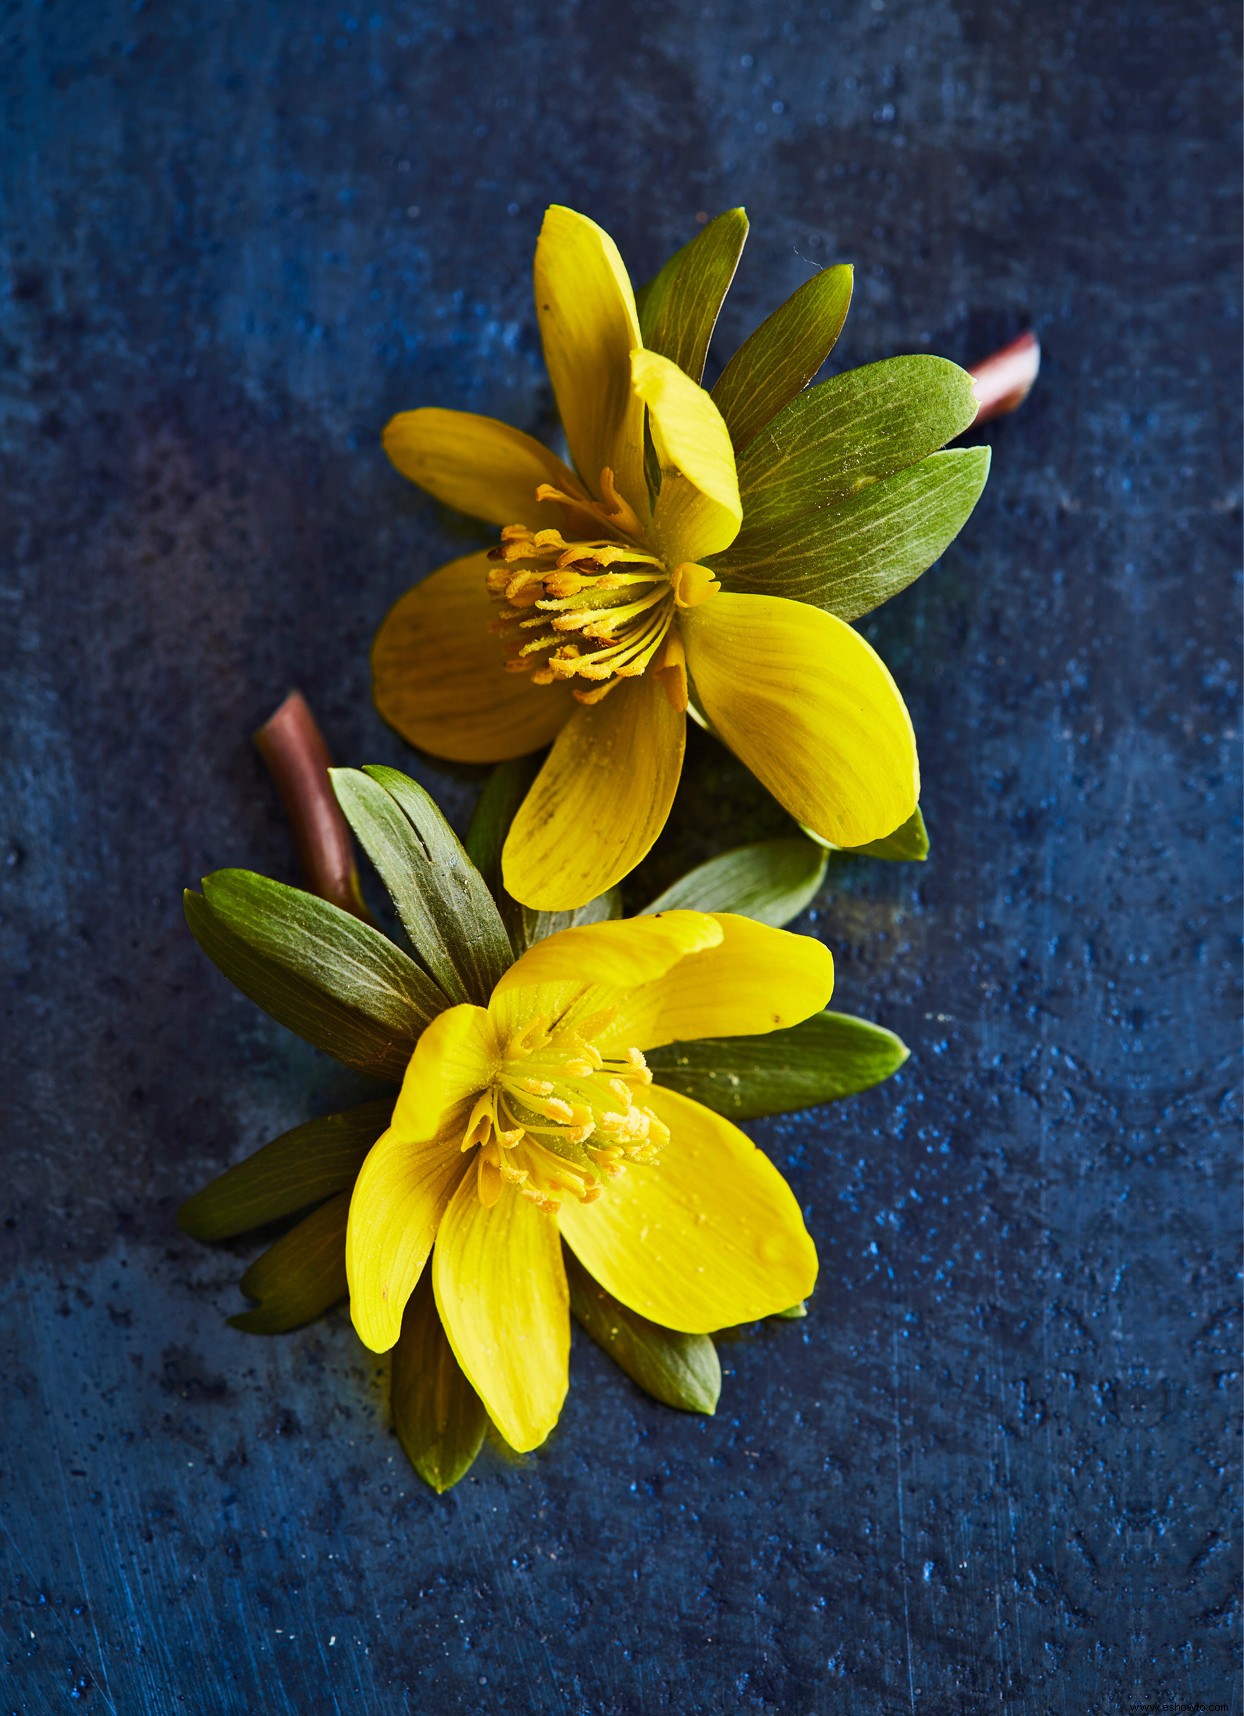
[{"x": 698, "y": 511}]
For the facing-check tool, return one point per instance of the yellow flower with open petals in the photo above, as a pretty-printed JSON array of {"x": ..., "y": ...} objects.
[
  {"x": 535, "y": 1120},
  {"x": 597, "y": 622}
]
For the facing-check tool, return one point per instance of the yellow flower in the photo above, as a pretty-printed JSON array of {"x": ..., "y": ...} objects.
[
  {"x": 596, "y": 623},
  {"x": 535, "y": 1120}
]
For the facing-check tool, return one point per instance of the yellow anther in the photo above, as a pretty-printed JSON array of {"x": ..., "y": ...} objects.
[{"x": 561, "y": 1118}]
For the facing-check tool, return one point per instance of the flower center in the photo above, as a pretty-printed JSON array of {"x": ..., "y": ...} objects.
[
  {"x": 594, "y": 611},
  {"x": 560, "y": 1118}
]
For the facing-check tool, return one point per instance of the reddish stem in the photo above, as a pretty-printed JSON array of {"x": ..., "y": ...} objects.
[
  {"x": 293, "y": 747},
  {"x": 1003, "y": 380}
]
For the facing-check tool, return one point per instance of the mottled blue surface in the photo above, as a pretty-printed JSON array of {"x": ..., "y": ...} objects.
[{"x": 994, "y": 1469}]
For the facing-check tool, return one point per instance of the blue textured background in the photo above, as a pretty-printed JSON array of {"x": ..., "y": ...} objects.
[{"x": 994, "y": 1469}]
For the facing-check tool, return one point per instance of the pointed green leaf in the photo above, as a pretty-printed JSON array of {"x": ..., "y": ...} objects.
[
  {"x": 772, "y": 881},
  {"x": 301, "y": 1276},
  {"x": 681, "y": 306},
  {"x": 441, "y": 898},
  {"x": 909, "y": 843},
  {"x": 679, "y": 1370},
  {"x": 826, "y": 1057},
  {"x": 497, "y": 806},
  {"x": 294, "y": 1171},
  {"x": 850, "y": 431},
  {"x": 316, "y": 969},
  {"x": 784, "y": 353},
  {"x": 439, "y": 1418},
  {"x": 852, "y": 557},
  {"x": 793, "y": 1313}
]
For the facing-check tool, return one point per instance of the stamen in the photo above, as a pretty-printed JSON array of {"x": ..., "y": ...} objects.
[
  {"x": 586, "y": 610},
  {"x": 561, "y": 1119}
]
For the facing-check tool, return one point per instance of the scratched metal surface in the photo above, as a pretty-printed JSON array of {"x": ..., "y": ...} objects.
[{"x": 994, "y": 1469}]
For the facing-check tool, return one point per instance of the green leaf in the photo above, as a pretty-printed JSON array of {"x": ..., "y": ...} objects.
[
  {"x": 504, "y": 790},
  {"x": 680, "y": 307},
  {"x": 784, "y": 353},
  {"x": 301, "y": 1276},
  {"x": 441, "y": 898},
  {"x": 771, "y": 881},
  {"x": 679, "y": 1370},
  {"x": 439, "y": 1418},
  {"x": 319, "y": 971},
  {"x": 908, "y": 843},
  {"x": 792, "y": 1313},
  {"x": 826, "y": 1057},
  {"x": 294, "y": 1171},
  {"x": 850, "y": 431},
  {"x": 852, "y": 557}
]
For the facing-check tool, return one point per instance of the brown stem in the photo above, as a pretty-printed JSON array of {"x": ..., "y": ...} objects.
[
  {"x": 1003, "y": 380},
  {"x": 293, "y": 747}
]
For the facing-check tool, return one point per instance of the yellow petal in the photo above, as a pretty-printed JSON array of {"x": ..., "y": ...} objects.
[
  {"x": 756, "y": 979},
  {"x": 592, "y": 966},
  {"x": 622, "y": 952},
  {"x": 707, "y": 1236},
  {"x": 399, "y": 1198},
  {"x": 589, "y": 327},
  {"x": 478, "y": 465},
  {"x": 501, "y": 1292},
  {"x": 811, "y": 708},
  {"x": 698, "y": 511},
  {"x": 600, "y": 800},
  {"x": 439, "y": 674},
  {"x": 453, "y": 1060}
]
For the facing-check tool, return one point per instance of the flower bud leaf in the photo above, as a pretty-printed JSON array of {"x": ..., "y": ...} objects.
[
  {"x": 771, "y": 881},
  {"x": 441, "y": 898},
  {"x": 826, "y": 1057},
  {"x": 850, "y": 557},
  {"x": 678, "y": 309},
  {"x": 676, "y": 1369},
  {"x": 783, "y": 354},
  {"x": 298, "y": 1169},
  {"x": 439, "y": 1419},
  {"x": 337, "y": 982},
  {"x": 301, "y": 1276}
]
